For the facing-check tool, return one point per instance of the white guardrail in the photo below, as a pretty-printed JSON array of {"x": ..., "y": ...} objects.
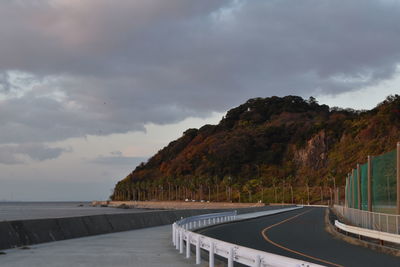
[
  {"x": 369, "y": 233},
  {"x": 182, "y": 236},
  {"x": 381, "y": 222}
]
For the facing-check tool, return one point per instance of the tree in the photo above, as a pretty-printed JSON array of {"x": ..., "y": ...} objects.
[
  {"x": 208, "y": 182},
  {"x": 290, "y": 180},
  {"x": 216, "y": 181},
  {"x": 308, "y": 192},
  {"x": 250, "y": 186},
  {"x": 274, "y": 181}
]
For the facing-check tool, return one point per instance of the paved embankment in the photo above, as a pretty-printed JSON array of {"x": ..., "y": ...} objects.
[
  {"x": 144, "y": 247},
  {"x": 150, "y": 247},
  {"x": 28, "y": 232},
  {"x": 299, "y": 234}
]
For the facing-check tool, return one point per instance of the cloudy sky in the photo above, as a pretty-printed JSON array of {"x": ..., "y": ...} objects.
[{"x": 89, "y": 89}]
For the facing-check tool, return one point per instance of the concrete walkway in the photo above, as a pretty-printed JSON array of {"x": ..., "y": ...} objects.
[{"x": 150, "y": 247}]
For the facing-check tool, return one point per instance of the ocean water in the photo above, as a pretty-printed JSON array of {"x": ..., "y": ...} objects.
[{"x": 10, "y": 211}]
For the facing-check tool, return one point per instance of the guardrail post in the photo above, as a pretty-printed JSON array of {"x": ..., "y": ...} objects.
[
  {"x": 188, "y": 246},
  {"x": 177, "y": 238},
  {"x": 173, "y": 233},
  {"x": 211, "y": 254},
  {"x": 181, "y": 242},
  {"x": 198, "y": 259},
  {"x": 230, "y": 257},
  {"x": 258, "y": 261}
]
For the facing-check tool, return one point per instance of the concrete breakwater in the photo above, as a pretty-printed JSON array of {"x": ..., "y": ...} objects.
[{"x": 28, "y": 232}]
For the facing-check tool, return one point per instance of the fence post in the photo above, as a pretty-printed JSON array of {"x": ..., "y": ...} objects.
[
  {"x": 346, "y": 191},
  {"x": 398, "y": 178},
  {"x": 337, "y": 196},
  {"x": 369, "y": 184},
  {"x": 353, "y": 189},
  {"x": 359, "y": 186},
  {"x": 211, "y": 254},
  {"x": 198, "y": 250}
]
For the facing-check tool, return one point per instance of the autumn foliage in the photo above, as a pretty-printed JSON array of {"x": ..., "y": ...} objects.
[{"x": 270, "y": 149}]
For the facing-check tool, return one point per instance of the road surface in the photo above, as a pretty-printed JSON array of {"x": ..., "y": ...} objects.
[{"x": 299, "y": 234}]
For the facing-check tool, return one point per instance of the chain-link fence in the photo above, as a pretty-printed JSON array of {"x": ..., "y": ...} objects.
[{"x": 373, "y": 186}]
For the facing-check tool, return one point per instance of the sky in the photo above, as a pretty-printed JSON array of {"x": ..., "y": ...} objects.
[{"x": 89, "y": 89}]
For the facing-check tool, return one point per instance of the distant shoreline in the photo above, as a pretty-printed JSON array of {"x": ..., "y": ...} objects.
[{"x": 172, "y": 205}]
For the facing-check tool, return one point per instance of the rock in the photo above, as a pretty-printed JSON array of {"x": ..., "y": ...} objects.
[{"x": 315, "y": 154}]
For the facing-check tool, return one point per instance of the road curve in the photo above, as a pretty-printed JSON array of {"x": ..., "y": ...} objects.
[{"x": 299, "y": 234}]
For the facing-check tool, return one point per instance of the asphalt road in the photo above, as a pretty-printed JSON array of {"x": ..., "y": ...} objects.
[{"x": 299, "y": 234}]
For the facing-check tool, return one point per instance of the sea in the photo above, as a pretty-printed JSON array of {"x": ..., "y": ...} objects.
[{"x": 11, "y": 211}]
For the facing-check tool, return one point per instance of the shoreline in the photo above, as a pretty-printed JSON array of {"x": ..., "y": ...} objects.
[{"x": 174, "y": 205}]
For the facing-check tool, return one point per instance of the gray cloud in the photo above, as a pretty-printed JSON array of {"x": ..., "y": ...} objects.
[
  {"x": 16, "y": 154},
  {"x": 105, "y": 67},
  {"x": 5, "y": 85}
]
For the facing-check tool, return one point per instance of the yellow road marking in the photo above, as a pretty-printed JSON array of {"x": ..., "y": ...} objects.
[{"x": 264, "y": 234}]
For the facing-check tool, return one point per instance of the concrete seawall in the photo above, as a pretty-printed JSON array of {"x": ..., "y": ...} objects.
[{"x": 29, "y": 232}]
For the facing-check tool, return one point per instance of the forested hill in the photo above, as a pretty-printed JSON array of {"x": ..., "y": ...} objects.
[{"x": 264, "y": 143}]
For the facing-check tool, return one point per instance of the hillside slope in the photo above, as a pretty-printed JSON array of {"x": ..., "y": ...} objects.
[{"x": 277, "y": 142}]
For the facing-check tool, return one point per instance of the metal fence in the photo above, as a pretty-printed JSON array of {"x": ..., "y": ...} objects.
[
  {"x": 375, "y": 185},
  {"x": 183, "y": 238},
  {"x": 382, "y": 222}
]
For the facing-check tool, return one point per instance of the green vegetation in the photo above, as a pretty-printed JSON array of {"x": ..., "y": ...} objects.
[{"x": 271, "y": 149}]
